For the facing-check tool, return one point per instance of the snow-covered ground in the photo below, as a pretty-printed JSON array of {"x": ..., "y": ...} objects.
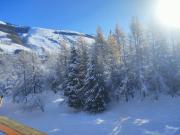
[{"x": 148, "y": 117}]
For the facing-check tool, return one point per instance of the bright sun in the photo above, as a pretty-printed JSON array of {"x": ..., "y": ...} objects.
[{"x": 168, "y": 12}]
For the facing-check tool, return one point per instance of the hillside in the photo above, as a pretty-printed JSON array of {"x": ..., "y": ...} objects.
[{"x": 14, "y": 38}]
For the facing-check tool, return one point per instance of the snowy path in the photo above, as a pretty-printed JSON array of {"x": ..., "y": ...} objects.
[{"x": 133, "y": 118}]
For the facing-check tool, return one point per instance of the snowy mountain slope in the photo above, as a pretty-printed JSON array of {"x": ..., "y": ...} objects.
[
  {"x": 1, "y": 22},
  {"x": 14, "y": 38},
  {"x": 7, "y": 45}
]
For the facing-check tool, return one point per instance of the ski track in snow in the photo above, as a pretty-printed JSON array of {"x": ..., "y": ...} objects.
[{"x": 117, "y": 129}]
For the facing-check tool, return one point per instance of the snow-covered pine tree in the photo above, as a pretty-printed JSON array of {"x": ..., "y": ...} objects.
[
  {"x": 83, "y": 64},
  {"x": 96, "y": 94},
  {"x": 73, "y": 85},
  {"x": 102, "y": 51}
]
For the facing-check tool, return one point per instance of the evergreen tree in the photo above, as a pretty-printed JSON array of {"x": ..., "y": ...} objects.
[
  {"x": 101, "y": 49},
  {"x": 73, "y": 84},
  {"x": 96, "y": 94},
  {"x": 83, "y": 65}
]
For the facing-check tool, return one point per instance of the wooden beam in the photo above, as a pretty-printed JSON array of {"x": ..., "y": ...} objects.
[
  {"x": 8, "y": 131},
  {"x": 8, "y": 126}
]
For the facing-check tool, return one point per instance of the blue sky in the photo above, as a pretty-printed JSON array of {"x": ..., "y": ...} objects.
[{"x": 78, "y": 15}]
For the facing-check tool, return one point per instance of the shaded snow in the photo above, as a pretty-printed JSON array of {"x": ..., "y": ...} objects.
[
  {"x": 10, "y": 48},
  {"x": 1, "y": 22},
  {"x": 136, "y": 117},
  {"x": 7, "y": 45},
  {"x": 140, "y": 122}
]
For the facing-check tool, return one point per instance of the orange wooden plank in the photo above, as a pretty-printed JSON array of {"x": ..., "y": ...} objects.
[
  {"x": 8, "y": 125},
  {"x": 8, "y": 130}
]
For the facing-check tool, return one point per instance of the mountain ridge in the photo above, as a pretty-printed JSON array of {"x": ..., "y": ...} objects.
[{"x": 15, "y": 37}]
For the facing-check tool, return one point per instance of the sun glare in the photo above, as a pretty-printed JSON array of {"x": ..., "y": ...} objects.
[{"x": 168, "y": 12}]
